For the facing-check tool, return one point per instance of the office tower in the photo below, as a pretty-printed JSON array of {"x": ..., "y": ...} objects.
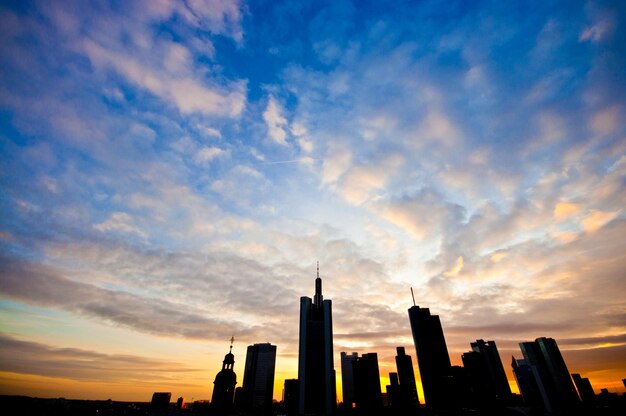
[
  {"x": 258, "y": 379},
  {"x": 291, "y": 391},
  {"x": 558, "y": 372},
  {"x": 180, "y": 403},
  {"x": 316, "y": 370},
  {"x": 224, "y": 385},
  {"x": 530, "y": 385},
  {"x": 479, "y": 379},
  {"x": 486, "y": 372},
  {"x": 585, "y": 390},
  {"x": 432, "y": 356},
  {"x": 347, "y": 378},
  {"x": 393, "y": 393},
  {"x": 406, "y": 378},
  {"x": 546, "y": 356},
  {"x": 367, "y": 394},
  {"x": 160, "y": 403}
]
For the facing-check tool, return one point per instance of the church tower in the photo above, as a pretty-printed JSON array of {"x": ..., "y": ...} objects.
[{"x": 224, "y": 385}]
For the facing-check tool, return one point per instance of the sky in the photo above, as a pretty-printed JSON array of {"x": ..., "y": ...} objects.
[{"x": 171, "y": 172}]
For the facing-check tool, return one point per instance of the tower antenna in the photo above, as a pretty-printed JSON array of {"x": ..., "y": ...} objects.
[
  {"x": 413, "y": 296},
  {"x": 318, "y": 268}
]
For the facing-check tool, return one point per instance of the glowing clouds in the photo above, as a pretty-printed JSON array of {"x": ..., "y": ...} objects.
[{"x": 275, "y": 122}]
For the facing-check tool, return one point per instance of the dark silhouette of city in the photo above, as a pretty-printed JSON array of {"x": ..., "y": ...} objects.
[{"x": 479, "y": 387}]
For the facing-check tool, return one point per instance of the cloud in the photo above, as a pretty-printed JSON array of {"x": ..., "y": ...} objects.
[
  {"x": 597, "y": 32},
  {"x": 564, "y": 210},
  {"x": 423, "y": 214},
  {"x": 44, "y": 286},
  {"x": 456, "y": 269},
  {"x": 35, "y": 358},
  {"x": 337, "y": 161},
  {"x": 120, "y": 221},
  {"x": 597, "y": 219},
  {"x": 207, "y": 154},
  {"x": 606, "y": 121},
  {"x": 275, "y": 122},
  {"x": 173, "y": 82}
]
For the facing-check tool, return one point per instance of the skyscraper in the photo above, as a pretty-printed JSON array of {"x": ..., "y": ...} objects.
[
  {"x": 530, "y": 385},
  {"x": 316, "y": 370},
  {"x": 367, "y": 394},
  {"x": 347, "y": 377},
  {"x": 224, "y": 385},
  {"x": 544, "y": 354},
  {"x": 432, "y": 356},
  {"x": 585, "y": 391},
  {"x": 258, "y": 378},
  {"x": 486, "y": 371},
  {"x": 407, "y": 393},
  {"x": 558, "y": 372}
]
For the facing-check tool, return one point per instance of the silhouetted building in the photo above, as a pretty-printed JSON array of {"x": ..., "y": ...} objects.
[
  {"x": 432, "y": 356},
  {"x": 258, "y": 379},
  {"x": 367, "y": 394},
  {"x": 407, "y": 399},
  {"x": 224, "y": 385},
  {"x": 160, "y": 403},
  {"x": 291, "y": 391},
  {"x": 393, "y": 393},
  {"x": 180, "y": 403},
  {"x": 316, "y": 370},
  {"x": 478, "y": 375},
  {"x": 557, "y": 382},
  {"x": 585, "y": 391},
  {"x": 347, "y": 377},
  {"x": 531, "y": 385},
  {"x": 486, "y": 375},
  {"x": 498, "y": 383}
]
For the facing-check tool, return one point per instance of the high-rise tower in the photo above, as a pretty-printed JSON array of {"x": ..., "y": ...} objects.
[
  {"x": 432, "y": 356},
  {"x": 486, "y": 372},
  {"x": 544, "y": 354},
  {"x": 258, "y": 378},
  {"x": 406, "y": 377},
  {"x": 367, "y": 394},
  {"x": 316, "y": 370},
  {"x": 347, "y": 377}
]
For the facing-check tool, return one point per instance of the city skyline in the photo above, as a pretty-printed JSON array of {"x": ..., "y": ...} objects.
[{"x": 171, "y": 172}]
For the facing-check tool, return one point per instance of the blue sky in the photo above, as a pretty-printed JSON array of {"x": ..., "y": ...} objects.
[{"x": 171, "y": 172}]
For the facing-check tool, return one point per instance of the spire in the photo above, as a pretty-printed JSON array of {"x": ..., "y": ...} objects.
[
  {"x": 232, "y": 339},
  {"x": 318, "y": 288},
  {"x": 413, "y": 296}
]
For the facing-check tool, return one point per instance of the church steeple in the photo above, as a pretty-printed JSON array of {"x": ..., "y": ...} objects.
[
  {"x": 229, "y": 359},
  {"x": 224, "y": 384}
]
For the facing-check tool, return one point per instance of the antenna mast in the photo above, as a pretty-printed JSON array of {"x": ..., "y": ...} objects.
[{"x": 413, "y": 296}]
